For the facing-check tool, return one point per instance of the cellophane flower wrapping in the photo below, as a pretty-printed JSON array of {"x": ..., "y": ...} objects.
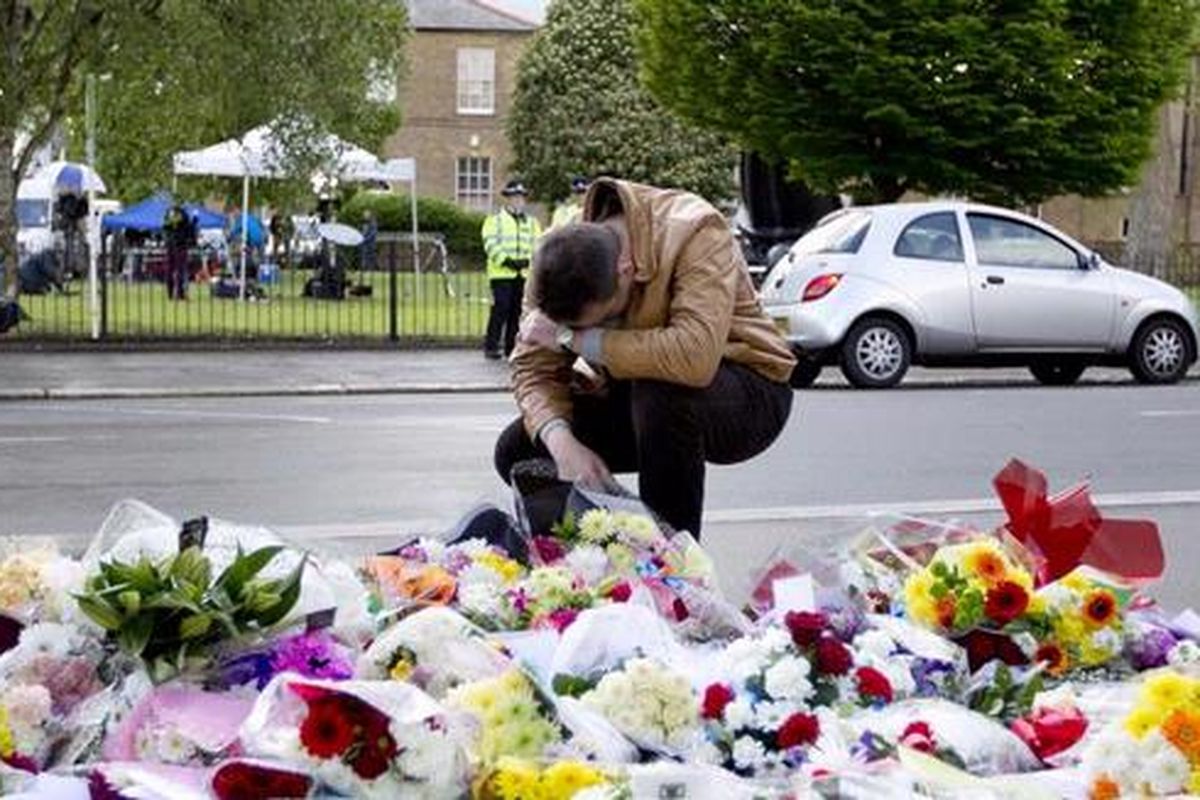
[
  {"x": 435, "y": 649},
  {"x": 373, "y": 739}
]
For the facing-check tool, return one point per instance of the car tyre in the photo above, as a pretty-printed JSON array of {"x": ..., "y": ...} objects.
[
  {"x": 876, "y": 353},
  {"x": 1160, "y": 352},
  {"x": 1057, "y": 373},
  {"x": 805, "y": 372}
]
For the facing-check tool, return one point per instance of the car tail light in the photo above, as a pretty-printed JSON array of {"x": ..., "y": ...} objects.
[{"x": 820, "y": 286}]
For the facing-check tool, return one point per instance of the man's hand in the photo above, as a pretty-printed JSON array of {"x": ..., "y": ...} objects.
[
  {"x": 539, "y": 330},
  {"x": 577, "y": 462}
]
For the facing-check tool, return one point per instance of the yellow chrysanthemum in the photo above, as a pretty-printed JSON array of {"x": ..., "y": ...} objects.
[
  {"x": 566, "y": 778},
  {"x": 515, "y": 779},
  {"x": 1076, "y": 582},
  {"x": 986, "y": 561},
  {"x": 1142, "y": 720},
  {"x": 1193, "y": 786},
  {"x": 1167, "y": 692},
  {"x": 508, "y": 570},
  {"x": 918, "y": 598},
  {"x": 1069, "y": 630},
  {"x": 6, "y": 738},
  {"x": 401, "y": 670},
  {"x": 1037, "y": 605}
]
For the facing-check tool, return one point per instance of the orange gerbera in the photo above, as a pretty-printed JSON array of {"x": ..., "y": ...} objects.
[
  {"x": 1104, "y": 788},
  {"x": 946, "y": 608},
  {"x": 986, "y": 564},
  {"x": 1053, "y": 657},
  {"x": 1182, "y": 729},
  {"x": 1099, "y": 608}
]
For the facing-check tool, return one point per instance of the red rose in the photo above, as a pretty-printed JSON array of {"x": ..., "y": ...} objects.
[
  {"x": 833, "y": 657},
  {"x": 873, "y": 684},
  {"x": 805, "y": 626},
  {"x": 621, "y": 592},
  {"x": 680, "y": 609},
  {"x": 548, "y": 549},
  {"x": 370, "y": 763},
  {"x": 982, "y": 647},
  {"x": 716, "y": 697},
  {"x": 328, "y": 730},
  {"x": 918, "y": 736},
  {"x": 1005, "y": 602},
  {"x": 1050, "y": 731},
  {"x": 797, "y": 730}
]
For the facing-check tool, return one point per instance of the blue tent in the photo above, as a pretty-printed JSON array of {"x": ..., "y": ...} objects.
[{"x": 149, "y": 214}]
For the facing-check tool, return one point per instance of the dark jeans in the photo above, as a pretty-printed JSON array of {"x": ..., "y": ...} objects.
[
  {"x": 666, "y": 433},
  {"x": 505, "y": 314},
  {"x": 177, "y": 273}
]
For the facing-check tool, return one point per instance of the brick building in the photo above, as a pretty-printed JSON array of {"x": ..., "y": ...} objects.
[{"x": 455, "y": 97}]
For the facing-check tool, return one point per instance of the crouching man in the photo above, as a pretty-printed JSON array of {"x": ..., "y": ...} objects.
[{"x": 651, "y": 290}]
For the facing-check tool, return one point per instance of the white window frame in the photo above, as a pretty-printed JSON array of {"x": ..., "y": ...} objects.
[
  {"x": 476, "y": 86},
  {"x": 480, "y": 198}
]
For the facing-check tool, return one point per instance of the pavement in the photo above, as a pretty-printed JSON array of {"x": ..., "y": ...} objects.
[{"x": 106, "y": 374}]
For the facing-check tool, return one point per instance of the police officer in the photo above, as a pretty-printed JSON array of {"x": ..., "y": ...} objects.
[
  {"x": 568, "y": 211},
  {"x": 509, "y": 236}
]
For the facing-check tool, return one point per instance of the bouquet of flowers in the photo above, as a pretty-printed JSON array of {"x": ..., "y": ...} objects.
[
  {"x": 429, "y": 571},
  {"x": 178, "y": 724},
  {"x": 512, "y": 718},
  {"x": 35, "y": 584},
  {"x": 1085, "y": 620},
  {"x": 517, "y": 779},
  {"x": 548, "y": 597},
  {"x": 435, "y": 649},
  {"x": 1155, "y": 750},
  {"x": 652, "y": 705},
  {"x": 761, "y": 719},
  {"x": 365, "y": 739},
  {"x": 310, "y": 654}
]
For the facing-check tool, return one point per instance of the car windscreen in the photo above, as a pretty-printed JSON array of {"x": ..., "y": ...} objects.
[
  {"x": 842, "y": 233},
  {"x": 33, "y": 213}
]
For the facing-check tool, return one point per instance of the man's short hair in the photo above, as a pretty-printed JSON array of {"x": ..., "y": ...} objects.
[{"x": 574, "y": 267}]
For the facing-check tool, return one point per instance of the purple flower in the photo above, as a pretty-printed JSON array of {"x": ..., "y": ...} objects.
[
  {"x": 929, "y": 675},
  {"x": 846, "y": 622},
  {"x": 1149, "y": 647},
  {"x": 313, "y": 655},
  {"x": 519, "y": 600},
  {"x": 413, "y": 552}
]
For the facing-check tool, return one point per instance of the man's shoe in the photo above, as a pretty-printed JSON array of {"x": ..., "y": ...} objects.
[{"x": 492, "y": 355}]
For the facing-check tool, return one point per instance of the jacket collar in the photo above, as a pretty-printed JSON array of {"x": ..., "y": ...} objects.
[{"x": 638, "y": 219}]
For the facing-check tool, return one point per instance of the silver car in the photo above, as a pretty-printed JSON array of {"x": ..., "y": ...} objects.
[{"x": 878, "y": 288}]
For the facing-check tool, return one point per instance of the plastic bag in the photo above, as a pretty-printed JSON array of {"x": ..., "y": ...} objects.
[{"x": 368, "y": 739}]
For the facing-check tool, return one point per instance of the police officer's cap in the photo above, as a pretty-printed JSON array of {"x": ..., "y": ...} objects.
[
  {"x": 514, "y": 187},
  {"x": 579, "y": 184}
]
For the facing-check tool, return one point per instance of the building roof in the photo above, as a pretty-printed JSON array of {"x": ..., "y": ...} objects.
[{"x": 464, "y": 15}]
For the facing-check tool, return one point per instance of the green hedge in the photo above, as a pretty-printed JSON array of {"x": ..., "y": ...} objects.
[{"x": 392, "y": 212}]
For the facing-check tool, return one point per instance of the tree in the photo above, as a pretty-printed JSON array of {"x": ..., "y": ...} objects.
[
  {"x": 186, "y": 74},
  {"x": 1009, "y": 100},
  {"x": 578, "y": 109}
]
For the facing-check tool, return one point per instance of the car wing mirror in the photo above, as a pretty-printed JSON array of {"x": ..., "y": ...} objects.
[{"x": 1089, "y": 261}]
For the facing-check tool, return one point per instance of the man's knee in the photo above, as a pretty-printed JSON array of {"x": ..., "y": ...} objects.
[{"x": 512, "y": 446}]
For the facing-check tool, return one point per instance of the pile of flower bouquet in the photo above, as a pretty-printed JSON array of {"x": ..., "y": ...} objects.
[{"x": 601, "y": 660}]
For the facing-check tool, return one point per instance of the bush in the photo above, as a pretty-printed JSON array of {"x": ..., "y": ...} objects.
[{"x": 392, "y": 213}]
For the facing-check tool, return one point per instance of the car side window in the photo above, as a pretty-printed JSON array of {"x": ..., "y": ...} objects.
[
  {"x": 1008, "y": 243},
  {"x": 933, "y": 237}
]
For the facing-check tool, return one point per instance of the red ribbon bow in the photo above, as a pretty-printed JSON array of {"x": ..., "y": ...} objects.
[{"x": 1067, "y": 530}]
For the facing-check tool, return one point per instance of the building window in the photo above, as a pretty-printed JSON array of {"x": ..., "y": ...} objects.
[
  {"x": 473, "y": 182},
  {"x": 476, "y": 81}
]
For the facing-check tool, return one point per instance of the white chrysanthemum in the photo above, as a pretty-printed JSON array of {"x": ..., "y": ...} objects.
[
  {"x": 597, "y": 526},
  {"x": 1107, "y": 640},
  {"x": 636, "y": 528},
  {"x": 748, "y": 753},
  {"x": 739, "y": 714},
  {"x": 479, "y": 598},
  {"x": 770, "y": 715},
  {"x": 705, "y": 753},
  {"x": 775, "y": 641},
  {"x": 1057, "y": 596},
  {"x": 589, "y": 562},
  {"x": 787, "y": 679},
  {"x": 49, "y": 639},
  {"x": 468, "y": 547},
  {"x": 744, "y": 658},
  {"x": 427, "y": 755},
  {"x": 479, "y": 575},
  {"x": 1183, "y": 653},
  {"x": 1167, "y": 772},
  {"x": 435, "y": 549},
  {"x": 1107, "y": 753},
  {"x": 875, "y": 643}
]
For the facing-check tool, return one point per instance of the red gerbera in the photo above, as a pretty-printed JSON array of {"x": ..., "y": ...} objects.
[
  {"x": 240, "y": 781},
  {"x": 328, "y": 730},
  {"x": 833, "y": 657},
  {"x": 797, "y": 730},
  {"x": 805, "y": 626},
  {"x": 1100, "y": 607},
  {"x": 1005, "y": 602},
  {"x": 918, "y": 736},
  {"x": 372, "y": 761},
  {"x": 716, "y": 697},
  {"x": 1052, "y": 656},
  {"x": 621, "y": 592},
  {"x": 873, "y": 684}
]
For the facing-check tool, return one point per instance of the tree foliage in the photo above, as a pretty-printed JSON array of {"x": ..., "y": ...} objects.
[
  {"x": 579, "y": 109},
  {"x": 1012, "y": 100},
  {"x": 182, "y": 74}
]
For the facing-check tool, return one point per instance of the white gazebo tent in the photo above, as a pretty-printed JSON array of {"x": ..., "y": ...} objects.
[{"x": 259, "y": 154}]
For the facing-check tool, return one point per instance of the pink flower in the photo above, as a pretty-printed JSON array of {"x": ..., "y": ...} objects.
[
  {"x": 918, "y": 736},
  {"x": 548, "y": 549},
  {"x": 560, "y": 619}
]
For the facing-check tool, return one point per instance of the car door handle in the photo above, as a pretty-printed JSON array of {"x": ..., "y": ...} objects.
[{"x": 995, "y": 280}]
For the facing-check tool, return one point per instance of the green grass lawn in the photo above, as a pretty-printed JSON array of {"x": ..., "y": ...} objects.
[{"x": 428, "y": 307}]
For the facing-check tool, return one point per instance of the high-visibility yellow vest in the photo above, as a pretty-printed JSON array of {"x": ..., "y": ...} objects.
[
  {"x": 508, "y": 237},
  {"x": 566, "y": 213}
]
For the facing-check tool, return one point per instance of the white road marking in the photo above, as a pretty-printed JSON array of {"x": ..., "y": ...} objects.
[
  {"x": 32, "y": 439},
  {"x": 187, "y": 412},
  {"x": 1182, "y": 412}
]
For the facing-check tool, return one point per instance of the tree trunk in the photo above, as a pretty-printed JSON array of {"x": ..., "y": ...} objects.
[{"x": 8, "y": 215}]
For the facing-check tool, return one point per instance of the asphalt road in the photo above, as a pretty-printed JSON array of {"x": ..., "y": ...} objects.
[{"x": 375, "y": 464}]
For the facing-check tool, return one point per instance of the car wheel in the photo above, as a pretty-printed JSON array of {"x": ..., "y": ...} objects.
[
  {"x": 876, "y": 353},
  {"x": 1057, "y": 373},
  {"x": 1159, "y": 353},
  {"x": 805, "y": 373}
]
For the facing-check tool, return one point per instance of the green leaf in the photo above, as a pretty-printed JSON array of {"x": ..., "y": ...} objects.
[
  {"x": 192, "y": 567},
  {"x": 100, "y": 612},
  {"x": 194, "y": 626},
  {"x": 288, "y": 595},
  {"x": 135, "y": 634},
  {"x": 243, "y": 568},
  {"x": 130, "y": 600}
]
